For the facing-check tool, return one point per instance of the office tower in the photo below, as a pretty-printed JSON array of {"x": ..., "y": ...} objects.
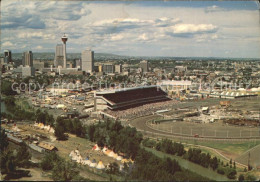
[
  {"x": 64, "y": 39},
  {"x": 118, "y": 68},
  {"x": 144, "y": 66},
  {"x": 59, "y": 56},
  {"x": 100, "y": 68},
  {"x": 87, "y": 61},
  {"x": 78, "y": 63},
  {"x": 109, "y": 68},
  {"x": 28, "y": 59},
  {"x": 7, "y": 56}
]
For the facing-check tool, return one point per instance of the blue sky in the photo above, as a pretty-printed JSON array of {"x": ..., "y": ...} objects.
[{"x": 146, "y": 28}]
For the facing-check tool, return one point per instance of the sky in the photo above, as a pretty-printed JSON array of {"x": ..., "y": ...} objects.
[{"x": 139, "y": 28}]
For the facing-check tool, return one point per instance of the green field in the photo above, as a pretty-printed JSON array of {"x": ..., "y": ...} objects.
[{"x": 210, "y": 174}]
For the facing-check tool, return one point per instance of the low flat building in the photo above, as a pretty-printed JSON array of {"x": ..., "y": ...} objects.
[{"x": 28, "y": 71}]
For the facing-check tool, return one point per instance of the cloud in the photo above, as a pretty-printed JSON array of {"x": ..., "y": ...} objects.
[
  {"x": 206, "y": 37},
  {"x": 24, "y": 21},
  {"x": 145, "y": 37},
  {"x": 37, "y": 35},
  {"x": 116, "y": 37},
  {"x": 7, "y": 44},
  {"x": 190, "y": 29},
  {"x": 165, "y": 21},
  {"x": 132, "y": 27},
  {"x": 214, "y": 8},
  {"x": 38, "y": 47}
]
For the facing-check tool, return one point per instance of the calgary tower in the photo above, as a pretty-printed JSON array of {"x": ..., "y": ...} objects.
[{"x": 64, "y": 39}]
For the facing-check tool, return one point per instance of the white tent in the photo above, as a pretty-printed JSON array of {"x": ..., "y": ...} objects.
[
  {"x": 111, "y": 154},
  {"x": 115, "y": 156},
  {"x": 96, "y": 147},
  {"x": 119, "y": 158},
  {"x": 51, "y": 130},
  {"x": 77, "y": 152},
  {"x": 100, "y": 165},
  {"x": 74, "y": 158},
  {"x": 104, "y": 149},
  {"x": 88, "y": 162},
  {"x": 93, "y": 164},
  {"x": 72, "y": 153}
]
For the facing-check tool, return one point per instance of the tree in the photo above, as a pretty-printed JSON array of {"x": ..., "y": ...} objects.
[
  {"x": 214, "y": 163},
  {"x": 64, "y": 171},
  {"x": 6, "y": 88},
  {"x": 3, "y": 141},
  {"x": 48, "y": 161},
  {"x": 8, "y": 162},
  {"x": 113, "y": 168},
  {"x": 60, "y": 130},
  {"x": 91, "y": 132},
  {"x": 232, "y": 174},
  {"x": 23, "y": 156},
  {"x": 230, "y": 162},
  {"x": 241, "y": 177}
]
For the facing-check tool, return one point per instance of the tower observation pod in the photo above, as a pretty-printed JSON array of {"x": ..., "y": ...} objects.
[{"x": 64, "y": 39}]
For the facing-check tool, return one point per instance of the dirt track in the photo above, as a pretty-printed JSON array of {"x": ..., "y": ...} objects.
[{"x": 140, "y": 123}]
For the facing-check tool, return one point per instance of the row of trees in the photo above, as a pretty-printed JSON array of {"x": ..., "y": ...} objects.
[
  {"x": 112, "y": 134},
  {"x": 19, "y": 113},
  {"x": 203, "y": 159},
  {"x": 73, "y": 126},
  {"x": 61, "y": 170},
  {"x": 193, "y": 155},
  {"x": 170, "y": 147},
  {"x": 147, "y": 166},
  {"x": 44, "y": 117},
  {"x": 150, "y": 167}
]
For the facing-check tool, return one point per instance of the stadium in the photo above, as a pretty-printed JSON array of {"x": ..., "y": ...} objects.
[{"x": 128, "y": 98}]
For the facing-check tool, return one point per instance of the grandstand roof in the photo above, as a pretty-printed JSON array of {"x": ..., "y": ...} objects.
[
  {"x": 133, "y": 94},
  {"x": 124, "y": 89}
]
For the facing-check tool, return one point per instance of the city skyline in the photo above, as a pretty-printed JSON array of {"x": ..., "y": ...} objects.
[{"x": 171, "y": 29}]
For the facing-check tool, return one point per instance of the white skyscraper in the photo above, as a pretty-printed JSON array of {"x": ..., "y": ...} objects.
[
  {"x": 59, "y": 56},
  {"x": 87, "y": 61},
  {"x": 64, "y": 39}
]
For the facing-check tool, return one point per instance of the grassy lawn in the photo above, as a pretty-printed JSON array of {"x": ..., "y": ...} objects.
[
  {"x": 191, "y": 166},
  {"x": 237, "y": 148}
]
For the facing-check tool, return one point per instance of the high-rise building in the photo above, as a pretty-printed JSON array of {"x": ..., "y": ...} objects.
[
  {"x": 144, "y": 66},
  {"x": 28, "y": 59},
  {"x": 87, "y": 61},
  {"x": 60, "y": 53},
  {"x": 118, "y": 68},
  {"x": 7, "y": 56},
  {"x": 64, "y": 39},
  {"x": 108, "y": 68},
  {"x": 59, "y": 56},
  {"x": 77, "y": 63}
]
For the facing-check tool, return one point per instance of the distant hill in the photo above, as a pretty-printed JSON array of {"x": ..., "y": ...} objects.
[
  {"x": 108, "y": 56},
  {"x": 51, "y": 55}
]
